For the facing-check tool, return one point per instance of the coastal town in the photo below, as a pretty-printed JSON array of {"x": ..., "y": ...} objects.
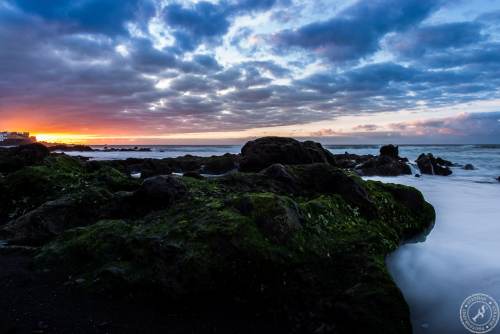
[{"x": 16, "y": 138}]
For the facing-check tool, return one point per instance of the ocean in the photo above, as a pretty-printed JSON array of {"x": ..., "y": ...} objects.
[{"x": 458, "y": 258}]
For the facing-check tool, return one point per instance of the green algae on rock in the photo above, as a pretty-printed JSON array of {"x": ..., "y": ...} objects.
[{"x": 305, "y": 251}]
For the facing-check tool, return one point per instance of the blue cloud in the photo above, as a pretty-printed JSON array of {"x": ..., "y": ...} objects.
[
  {"x": 207, "y": 22},
  {"x": 484, "y": 54},
  {"x": 416, "y": 42},
  {"x": 95, "y": 16},
  {"x": 202, "y": 20},
  {"x": 355, "y": 32}
]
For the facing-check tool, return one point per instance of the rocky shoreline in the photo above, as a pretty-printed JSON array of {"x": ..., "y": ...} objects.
[{"x": 288, "y": 238}]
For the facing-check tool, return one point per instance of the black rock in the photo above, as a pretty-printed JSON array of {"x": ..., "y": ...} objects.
[
  {"x": 279, "y": 172},
  {"x": 324, "y": 178},
  {"x": 160, "y": 192},
  {"x": 54, "y": 217},
  {"x": 349, "y": 161},
  {"x": 219, "y": 164},
  {"x": 417, "y": 175},
  {"x": 469, "y": 167},
  {"x": 70, "y": 148},
  {"x": 498, "y": 179},
  {"x": 390, "y": 151},
  {"x": 383, "y": 165},
  {"x": 15, "y": 158},
  {"x": 443, "y": 162},
  {"x": 263, "y": 152},
  {"x": 433, "y": 166}
]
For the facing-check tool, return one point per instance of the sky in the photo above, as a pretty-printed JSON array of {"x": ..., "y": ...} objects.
[{"x": 202, "y": 72}]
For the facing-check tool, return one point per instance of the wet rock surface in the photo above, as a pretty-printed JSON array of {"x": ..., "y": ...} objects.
[{"x": 428, "y": 164}]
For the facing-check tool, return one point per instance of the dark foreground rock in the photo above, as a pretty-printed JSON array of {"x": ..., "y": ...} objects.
[
  {"x": 263, "y": 152},
  {"x": 498, "y": 179},
  {"x": 428, "y": 164},
  {"x": 160, "y": 191},
  {"x": 15, "y": 158},
  {"x": 294, "y": 248}
]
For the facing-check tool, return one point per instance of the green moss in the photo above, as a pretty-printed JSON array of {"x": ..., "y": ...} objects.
[
  {"x": 113, "y": 179},
  {"x": 95, "y": 245},
  {"x": 244, "y": 240}
]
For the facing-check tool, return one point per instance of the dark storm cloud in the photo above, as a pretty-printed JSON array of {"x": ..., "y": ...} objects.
[{"x": 356, "y": 31}]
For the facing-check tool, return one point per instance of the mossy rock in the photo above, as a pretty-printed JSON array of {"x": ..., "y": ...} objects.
[
  {"x": 308, "y": 257},
  {"x": 113, "y": 179},
  {"x": 54, "y": 217}
]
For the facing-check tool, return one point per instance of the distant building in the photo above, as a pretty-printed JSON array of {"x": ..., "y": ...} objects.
[{"x": 15, "y": 138}]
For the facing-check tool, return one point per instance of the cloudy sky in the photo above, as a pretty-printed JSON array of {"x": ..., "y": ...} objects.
[{"x": 167, "y": 71}]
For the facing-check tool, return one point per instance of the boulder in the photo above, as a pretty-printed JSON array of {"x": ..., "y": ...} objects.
[
  {"x": 219, "y": 164},
  {"x": 443, "y": 162},
  {"x": 54, "y": 217},
  {"x": 15, "y": 158},
  {"x": 279, "y": 172},
  {"x": 278, "y": 217},
  {"x": 185, "y": 163},
  {"x": 383, "y": 165},
  {"x": 498, "y": 179},
  {"x": 159, "y": 192},
  {"x": 349, "y": 161},
  {"x": 428, "y": 164},
  {"x": 263, "y": 152},
  {"x": 390, "y": 151},
  {"x": 326, "y": 179},
  {"x": 469, "y": 167}
]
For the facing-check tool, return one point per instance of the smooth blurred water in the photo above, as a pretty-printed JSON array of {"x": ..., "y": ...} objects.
[{"x": 460, "y": 256}]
